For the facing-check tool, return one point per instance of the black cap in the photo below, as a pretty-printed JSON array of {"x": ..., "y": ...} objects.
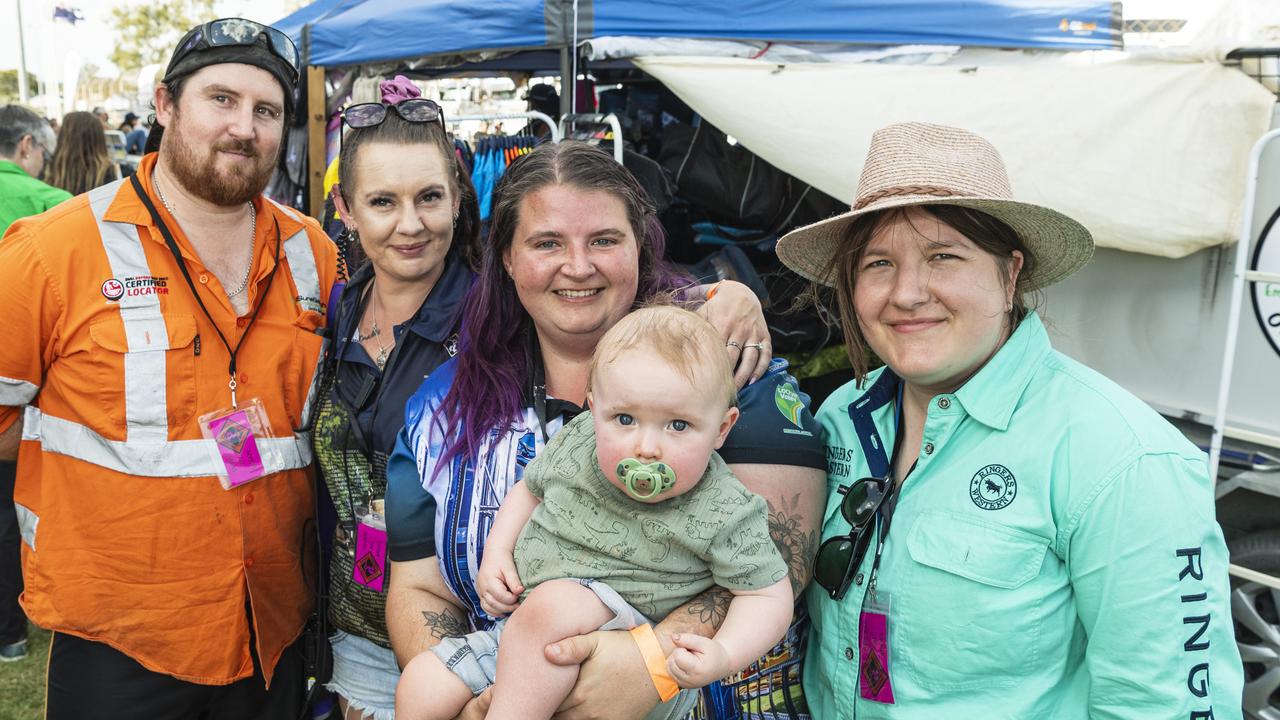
[
  {"x": 130, "y": 117},
  {"x": 258, "y": 54},
  {"x": 544, "y": 98}
]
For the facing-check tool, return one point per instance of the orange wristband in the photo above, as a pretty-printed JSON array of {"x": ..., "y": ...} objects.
[
  {"x": 711, "y": 291},
  {"x": 647, "y": 641}
]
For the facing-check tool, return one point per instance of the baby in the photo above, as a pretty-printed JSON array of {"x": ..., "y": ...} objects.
[{"x": 627, "y": 514}]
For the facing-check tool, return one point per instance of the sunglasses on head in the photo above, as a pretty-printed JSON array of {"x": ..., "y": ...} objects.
[
  {"x": 839, "y": 557},
  {"x": 236, "y": 31},
  {"x": 414, "y": 110}
]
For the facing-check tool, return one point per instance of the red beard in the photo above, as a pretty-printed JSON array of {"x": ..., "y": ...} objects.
[{"x": 201, "y": 177}]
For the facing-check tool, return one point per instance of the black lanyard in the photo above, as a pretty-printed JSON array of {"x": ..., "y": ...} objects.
[
  {"x": 182, "y": 265},
  {"x": 884, "y": 515},
  {"x": 538, "y": 393}
]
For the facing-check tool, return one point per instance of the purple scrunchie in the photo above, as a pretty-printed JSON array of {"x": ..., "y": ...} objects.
[{"x": 398, "y": 89}]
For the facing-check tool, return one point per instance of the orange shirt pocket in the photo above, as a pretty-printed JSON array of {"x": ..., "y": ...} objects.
[
  {"x": 146, "y": 371},
  {"x": 305, "y": 357}
]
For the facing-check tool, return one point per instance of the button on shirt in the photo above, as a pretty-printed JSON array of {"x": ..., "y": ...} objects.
[{"x": 1055, "y": 555}]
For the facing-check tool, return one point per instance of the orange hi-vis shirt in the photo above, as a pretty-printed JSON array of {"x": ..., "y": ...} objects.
[{"x": 128, "y": 537}]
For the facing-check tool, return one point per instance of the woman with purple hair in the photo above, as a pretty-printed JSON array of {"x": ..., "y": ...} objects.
[{"x": 576, "y": 245}]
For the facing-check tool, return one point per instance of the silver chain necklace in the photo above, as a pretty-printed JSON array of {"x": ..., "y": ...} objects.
[
  {"x": 374, "y": 332},
  {"x": 253, "y": 235}
]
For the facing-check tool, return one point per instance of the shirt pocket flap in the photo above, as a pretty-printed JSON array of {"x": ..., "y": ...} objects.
[
  {"x": 988, "y": 553},
  {"x": 159, "y": 332}
]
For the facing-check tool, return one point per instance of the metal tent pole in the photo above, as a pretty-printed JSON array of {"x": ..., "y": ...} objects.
[{"x": 1241, "y": 275}]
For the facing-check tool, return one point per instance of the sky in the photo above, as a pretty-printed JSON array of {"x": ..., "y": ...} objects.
[{"x": 93, "y": 37}]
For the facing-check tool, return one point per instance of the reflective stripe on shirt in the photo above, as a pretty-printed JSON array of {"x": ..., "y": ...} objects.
[
  {"x": 146, "y": 408},
  {"x": 164, "y": 458}
]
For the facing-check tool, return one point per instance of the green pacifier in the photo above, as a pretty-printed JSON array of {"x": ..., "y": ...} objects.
[{"x": 645, "y": 481}]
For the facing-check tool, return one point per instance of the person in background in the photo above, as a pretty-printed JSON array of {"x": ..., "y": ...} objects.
[
  {"x": 135, "y": 135},
  {"x": 26, "y": 143},
  {"x": 130, "y": 122},
  {"x": 1008, "y": 533},
  {"x": 166, "y": 331},
  {"x": 101, "y": 113},
  {"x": 543, "y": 98},
  {"x": 81, "y": 162}
]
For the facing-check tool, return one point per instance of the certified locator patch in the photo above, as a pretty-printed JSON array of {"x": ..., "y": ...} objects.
[{"x": 993, "y": 487}]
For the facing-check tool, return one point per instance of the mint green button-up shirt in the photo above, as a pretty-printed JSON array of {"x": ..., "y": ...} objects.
[{"x": 1054, "y": 554}]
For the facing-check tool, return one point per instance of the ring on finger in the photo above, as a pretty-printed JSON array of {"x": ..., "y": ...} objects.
[
  {"x": 734, "y": 344},
  {"x": 757, "y": 346}
]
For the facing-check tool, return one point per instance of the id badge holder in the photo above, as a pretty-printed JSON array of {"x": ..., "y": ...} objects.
[
  {"x": 874, "y": 681},
  {"x": 238, "y": 433},
  {"x": 370, "y": 566}
]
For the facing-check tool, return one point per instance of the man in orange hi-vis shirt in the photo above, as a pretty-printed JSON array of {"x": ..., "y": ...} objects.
[{"x": 164, "y": 334}]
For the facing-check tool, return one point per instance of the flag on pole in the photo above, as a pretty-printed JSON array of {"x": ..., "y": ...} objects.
[{"x": 69, "y": 14}]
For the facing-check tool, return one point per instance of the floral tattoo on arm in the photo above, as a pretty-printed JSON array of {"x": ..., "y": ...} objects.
[
  {"x": 796, "y": 547},
  {"x": 711, "y": 606},
  {"x": 449, "y": 623}
]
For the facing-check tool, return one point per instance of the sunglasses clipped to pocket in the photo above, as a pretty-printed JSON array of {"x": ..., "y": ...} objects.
[{"x": 839, "y": 557}]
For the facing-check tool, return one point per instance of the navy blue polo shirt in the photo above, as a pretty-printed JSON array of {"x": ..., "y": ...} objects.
[{"x": 376, "y": 398}]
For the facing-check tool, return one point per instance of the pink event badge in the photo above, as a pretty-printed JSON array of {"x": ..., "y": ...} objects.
[
  {"x": 238, "y": 447},
  {"x": 873, "y": 666},
  {"x": 371, "y": 557}
]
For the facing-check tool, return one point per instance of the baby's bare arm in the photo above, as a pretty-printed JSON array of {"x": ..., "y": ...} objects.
[{"x": 755, "y": 621}]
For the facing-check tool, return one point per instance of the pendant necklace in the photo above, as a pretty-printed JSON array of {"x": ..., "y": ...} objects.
[{"x": 375, "y": 332}]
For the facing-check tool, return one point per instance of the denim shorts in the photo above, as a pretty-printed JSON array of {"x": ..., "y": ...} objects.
[
  {"x": 474, "y": 657},
  {"x": 366, "y": 674}
]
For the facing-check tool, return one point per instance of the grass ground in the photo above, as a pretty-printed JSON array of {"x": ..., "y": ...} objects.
[{"x": 22, "y": 682}]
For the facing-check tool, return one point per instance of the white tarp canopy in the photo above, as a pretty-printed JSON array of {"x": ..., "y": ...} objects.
[{"x": 1150, "y": 155}]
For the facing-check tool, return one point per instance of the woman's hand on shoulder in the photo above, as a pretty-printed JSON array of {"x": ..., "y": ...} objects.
[{"x": 735, "y": 311}]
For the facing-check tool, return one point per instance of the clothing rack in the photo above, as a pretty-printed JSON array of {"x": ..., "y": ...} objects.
[
  {"x": 596, "y": 119},
  {"x": 556, "y": 135}
]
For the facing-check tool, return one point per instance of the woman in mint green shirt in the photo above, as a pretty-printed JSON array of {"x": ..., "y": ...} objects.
[{"x": 1008, "y": 533}]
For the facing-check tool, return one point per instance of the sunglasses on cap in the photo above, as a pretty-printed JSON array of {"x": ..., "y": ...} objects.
[
  {"x": 414, "y": 110},
  {"x": 230, "y": 32},
  {"x": 839, "y": 557}
]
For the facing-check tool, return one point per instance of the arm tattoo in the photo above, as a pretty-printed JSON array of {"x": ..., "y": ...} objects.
[
  {"x": 796, "y": 546},
  {"x": 711, "y": 606},
  {"x": 449, "y": 623}
]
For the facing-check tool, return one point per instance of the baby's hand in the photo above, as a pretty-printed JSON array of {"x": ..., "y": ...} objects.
[
  {"x": 697, "y": 661},
  {"x": 498, "y": 584}
]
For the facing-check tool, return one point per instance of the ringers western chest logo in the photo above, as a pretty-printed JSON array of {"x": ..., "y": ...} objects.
[
  {"x": 993, "y": 487},
  {"x": 114, "y": 289}
]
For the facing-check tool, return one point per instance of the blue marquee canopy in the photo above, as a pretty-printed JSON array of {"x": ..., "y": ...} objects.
[{"x": 352, "y": 32}]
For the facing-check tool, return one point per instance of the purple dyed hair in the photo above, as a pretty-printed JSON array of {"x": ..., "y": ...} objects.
[{"x": 493, "y": 348}]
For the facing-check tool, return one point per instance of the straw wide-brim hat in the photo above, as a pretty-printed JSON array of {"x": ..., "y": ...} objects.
[{"x": 923, "y": 164}]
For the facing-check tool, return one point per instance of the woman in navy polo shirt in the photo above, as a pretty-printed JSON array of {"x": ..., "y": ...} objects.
[{"x": 408, "y": 201}]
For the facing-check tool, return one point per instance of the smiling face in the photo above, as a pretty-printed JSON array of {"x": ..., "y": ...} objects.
[
  {"x": 643, "y": 408},
  {"x": 931, "y": 303},
  {"x": 574, "y": 260},
  {"x": 223, "y": 135},
  {"x": 401, "y": 204}
]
